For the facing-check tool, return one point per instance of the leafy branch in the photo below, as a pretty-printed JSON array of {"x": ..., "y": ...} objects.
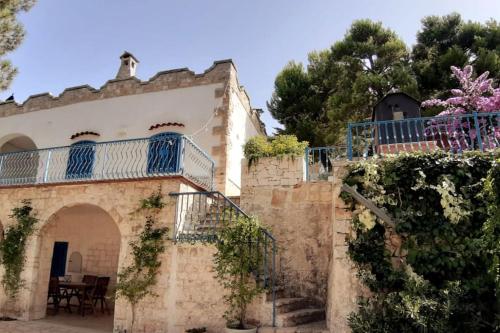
[
  {"x": 136, "y": 280},
  {"x": 13, "y": 247}
]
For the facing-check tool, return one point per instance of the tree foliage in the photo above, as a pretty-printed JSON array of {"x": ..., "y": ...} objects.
[
  {"x": 441, "y": 274},
  {"x": 449, "y": 41},
  {"x": 11, "y": 35},
  {"x": 341, "y": 84}
]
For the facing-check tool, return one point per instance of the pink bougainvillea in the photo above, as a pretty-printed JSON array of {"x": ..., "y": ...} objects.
[
  {"x": 474, "y": 95},
  {"x": 455, "y": 128}
]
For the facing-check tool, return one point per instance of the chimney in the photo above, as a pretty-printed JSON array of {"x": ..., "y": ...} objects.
[{"x": 128, "y": 66}]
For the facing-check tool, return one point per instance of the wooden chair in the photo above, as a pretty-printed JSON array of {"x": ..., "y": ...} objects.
[
  {"x": 99, "y": 294},
  {"x": 85, "y": 300},
  {"x": 55, "y": 294},
  {"x": 87, "y": 279}
]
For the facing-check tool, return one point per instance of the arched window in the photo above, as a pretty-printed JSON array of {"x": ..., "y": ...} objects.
[
  {"x": 75, "y": 262},
  {"x": 164, "y": 153},
  {"x": 81, "y": 160}
]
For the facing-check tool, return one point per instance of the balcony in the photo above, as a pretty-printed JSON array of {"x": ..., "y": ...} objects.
[
  {"x": 454, "y": 134},
  {"x": 159, "y": 156}
]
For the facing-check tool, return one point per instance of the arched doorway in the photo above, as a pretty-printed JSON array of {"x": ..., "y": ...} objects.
[
  {"x": 21, "y": 167},
  {"x": 77, "y": 242},
  {"x": 164, "y": 153}
]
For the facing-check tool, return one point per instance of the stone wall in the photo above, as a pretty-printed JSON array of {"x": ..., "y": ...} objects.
[
  {"x": 299, "y": 215},
  {"x": 188, "y": 294},
  {"x": 343, "y": 285},
  {"x": 311, "y": 224}
]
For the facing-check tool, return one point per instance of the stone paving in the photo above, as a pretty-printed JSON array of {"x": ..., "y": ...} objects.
[{"x": 62, "y": 323}]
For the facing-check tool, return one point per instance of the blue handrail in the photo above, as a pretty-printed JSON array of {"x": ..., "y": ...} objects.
[
  {"x": 167, "y": 155},
  {"x": 452, "y": 133}
]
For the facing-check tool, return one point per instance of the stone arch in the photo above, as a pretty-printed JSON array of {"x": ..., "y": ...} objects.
[
  {"x": 19, "y": 168},
  {"x": 86, "y": 228},
  {"x": 15, "y": 142}
]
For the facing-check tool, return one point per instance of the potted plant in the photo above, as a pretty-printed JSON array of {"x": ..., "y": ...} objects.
[{"x": 235, "y": 260}]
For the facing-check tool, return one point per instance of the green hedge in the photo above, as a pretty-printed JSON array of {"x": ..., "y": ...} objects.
[
  {"x": 280, "y": 146},
  {"x": 448, "y": 220}
]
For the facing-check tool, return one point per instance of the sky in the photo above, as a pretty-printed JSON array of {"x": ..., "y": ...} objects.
[{"x": 70, "y": 43}]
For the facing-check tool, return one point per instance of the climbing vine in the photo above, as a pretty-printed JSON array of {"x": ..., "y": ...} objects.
[
  {"x": 135, "y": 281},
  {"x": 13, "y": 247},
  {"x": 438, "y": 269}
]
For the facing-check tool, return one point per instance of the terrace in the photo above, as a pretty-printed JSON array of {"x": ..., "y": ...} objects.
[
  {"x": 86, "y": 161},
  {"x": 454, "y": 134}
]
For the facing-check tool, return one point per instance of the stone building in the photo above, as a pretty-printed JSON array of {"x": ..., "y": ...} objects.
[
  {"x": 87, "y": 157},
  {"x": 210, "y": 108}
]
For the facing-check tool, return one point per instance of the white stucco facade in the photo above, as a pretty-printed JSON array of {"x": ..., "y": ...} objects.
[{"x": 210, "y": 108}]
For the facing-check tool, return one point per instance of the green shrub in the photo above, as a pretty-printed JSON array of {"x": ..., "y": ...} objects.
[
  {"x": 234, "y": 262},
  {"x": 279, "y": 146},
  {"x": 446, "y": 211},
  {"x": 255, "y": 148},
  {"x": 13, "y": 247}
]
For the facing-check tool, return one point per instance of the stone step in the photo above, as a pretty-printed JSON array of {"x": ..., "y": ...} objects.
[
  {"x": 299, "y": 317},
  {"x": 316, "y": 327},
  {"x": 289, "y": 304},
  {"x": 281, "y": 292}
]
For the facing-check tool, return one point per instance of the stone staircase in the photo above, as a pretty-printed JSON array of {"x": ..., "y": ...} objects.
[{"x": 292, "y": 312}]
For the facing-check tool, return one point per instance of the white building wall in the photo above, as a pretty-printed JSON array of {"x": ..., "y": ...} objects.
[
  {"x": 241, "y": 129},
  {"x": 120, "y": 118}
]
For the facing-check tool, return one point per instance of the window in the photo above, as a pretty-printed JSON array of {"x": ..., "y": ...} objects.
[
  {"x": 81, "y": 160},
  {"x": 75, "y": 262},
  {"x": 398, "y": 115},
  {"x": 164, "y": 153}
]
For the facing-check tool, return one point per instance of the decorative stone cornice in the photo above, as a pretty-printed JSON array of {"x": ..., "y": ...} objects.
[{"x": 219, "y": 72}]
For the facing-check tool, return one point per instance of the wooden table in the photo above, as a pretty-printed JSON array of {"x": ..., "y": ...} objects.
[{"x": 81, "y": 288}]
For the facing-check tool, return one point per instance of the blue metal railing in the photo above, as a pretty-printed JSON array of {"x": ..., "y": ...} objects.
[
  {"x": 453, "y": 133},
  {"x": 200, "y": 215},
  {"x": 169, "y": 155},
  {"x": 319, "y": 161}
]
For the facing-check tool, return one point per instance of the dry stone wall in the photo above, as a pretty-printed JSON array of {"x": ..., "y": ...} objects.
[
  {"x": 311, "y": 224},
  {"x": 299, "y": 216}
]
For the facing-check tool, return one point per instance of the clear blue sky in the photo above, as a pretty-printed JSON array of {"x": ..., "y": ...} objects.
[{"x": 78, "y": 42}]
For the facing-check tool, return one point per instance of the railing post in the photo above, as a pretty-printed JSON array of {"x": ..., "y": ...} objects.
[
  {"x": 182, "y": 155},
  {"x": 478, "y": 132},
  {"x": 349, "y": 142},
  {"x": 212, "y": 187},
  {"x": 274, "y": 282},
  {"x": 306, "y": 157},
  {"x": 47, "y": 165},
  {"x": 104, "y": 160}
]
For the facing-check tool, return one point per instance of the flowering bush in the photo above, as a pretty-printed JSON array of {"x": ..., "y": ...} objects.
[
  {"x": 459, "y": 131},
  {"x": 438, "y": 270},
  {"x": 477, "y": 95}
]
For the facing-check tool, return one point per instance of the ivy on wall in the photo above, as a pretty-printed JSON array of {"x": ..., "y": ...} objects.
[
  {"x": 13, "y": 247},
  {"x": 135, "y": 282},
  {"x": 438, "y": 270}
]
